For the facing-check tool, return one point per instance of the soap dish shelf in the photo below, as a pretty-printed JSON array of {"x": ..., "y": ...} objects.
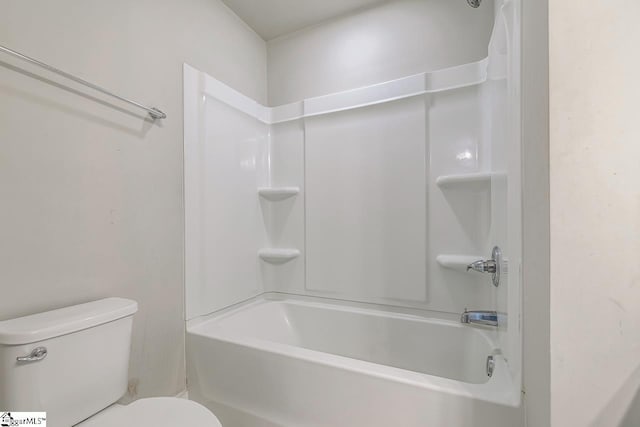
[
  {"x": 476, "y": 181},
  {"x": 457, "y": 262},
  {"x": 276, "y": 194},
  {"x": 278, "y": 256}
]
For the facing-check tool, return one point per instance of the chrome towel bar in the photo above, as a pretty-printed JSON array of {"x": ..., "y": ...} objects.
[{"x": 153, "y": 112}]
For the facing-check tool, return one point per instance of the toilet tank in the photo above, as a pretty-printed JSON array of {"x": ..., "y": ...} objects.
[{"x": 86, "y": 364}]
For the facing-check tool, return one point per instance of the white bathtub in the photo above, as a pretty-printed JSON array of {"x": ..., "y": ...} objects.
[{"x": 298, "y": 363}]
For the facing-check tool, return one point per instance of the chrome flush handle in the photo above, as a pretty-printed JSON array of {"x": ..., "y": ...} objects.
[{"x": 37, "y": 354}]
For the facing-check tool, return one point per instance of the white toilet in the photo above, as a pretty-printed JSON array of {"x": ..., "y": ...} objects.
[{"x": 73, "y": 364}]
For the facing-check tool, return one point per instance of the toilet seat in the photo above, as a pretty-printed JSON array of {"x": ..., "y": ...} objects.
[{"x": 154, "y": 412}]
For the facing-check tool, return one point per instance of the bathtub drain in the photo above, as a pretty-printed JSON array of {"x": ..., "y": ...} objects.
[{"x": 491, "y": 364}]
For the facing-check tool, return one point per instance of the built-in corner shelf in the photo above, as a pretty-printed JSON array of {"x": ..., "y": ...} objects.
[
  {"x": 275, "y": 194},
  {"x": 475, "y": 181},
  {"x": 278, "y": 256},
  {"x": 457, "y": 262}
]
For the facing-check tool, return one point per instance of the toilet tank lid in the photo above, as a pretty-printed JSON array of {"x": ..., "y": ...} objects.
[{"x": 55, "y": 323}]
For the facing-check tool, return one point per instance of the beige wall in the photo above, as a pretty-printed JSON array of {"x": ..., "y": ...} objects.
[
  {"x": 397, "y": 39},
  {"x": 92, "y": 198},
  {"x": 535, "y": 210},
  {"x": 595, "y": 211}
]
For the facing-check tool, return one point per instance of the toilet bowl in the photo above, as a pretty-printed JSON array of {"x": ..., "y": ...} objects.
[
  {"x": 72, "y": 363},
  {"x": 154, "y": 412}
]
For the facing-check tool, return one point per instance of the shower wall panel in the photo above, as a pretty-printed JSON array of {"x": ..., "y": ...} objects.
[
  {"x": 224, "y": 227},
  {"x": 285, "y": 219},
  {"x": 366, "y": 203}
]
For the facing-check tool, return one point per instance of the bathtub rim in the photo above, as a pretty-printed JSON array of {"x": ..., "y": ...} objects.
[
  {"x": 499, "y": 389},
  {"x": 285, "y": 296}
]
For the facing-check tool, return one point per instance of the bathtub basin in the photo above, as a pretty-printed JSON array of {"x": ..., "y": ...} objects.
[{"x": 288, "y": 362}]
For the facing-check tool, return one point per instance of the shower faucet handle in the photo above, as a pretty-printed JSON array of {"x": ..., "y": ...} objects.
[
  {"x": 491, "y": 266},
  {"x": 482, "y": 266}
]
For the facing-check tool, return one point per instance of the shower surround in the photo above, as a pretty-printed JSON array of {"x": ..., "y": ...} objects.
[{"x": 327, "y": 244}]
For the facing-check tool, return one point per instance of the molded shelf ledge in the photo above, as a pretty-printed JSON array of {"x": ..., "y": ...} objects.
[
  {"x": 481, "y": 180},
  {"x": 457, "y": 262},
  {"x": 276, "y": 194},
  {"x": 278, "y": 256}
]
